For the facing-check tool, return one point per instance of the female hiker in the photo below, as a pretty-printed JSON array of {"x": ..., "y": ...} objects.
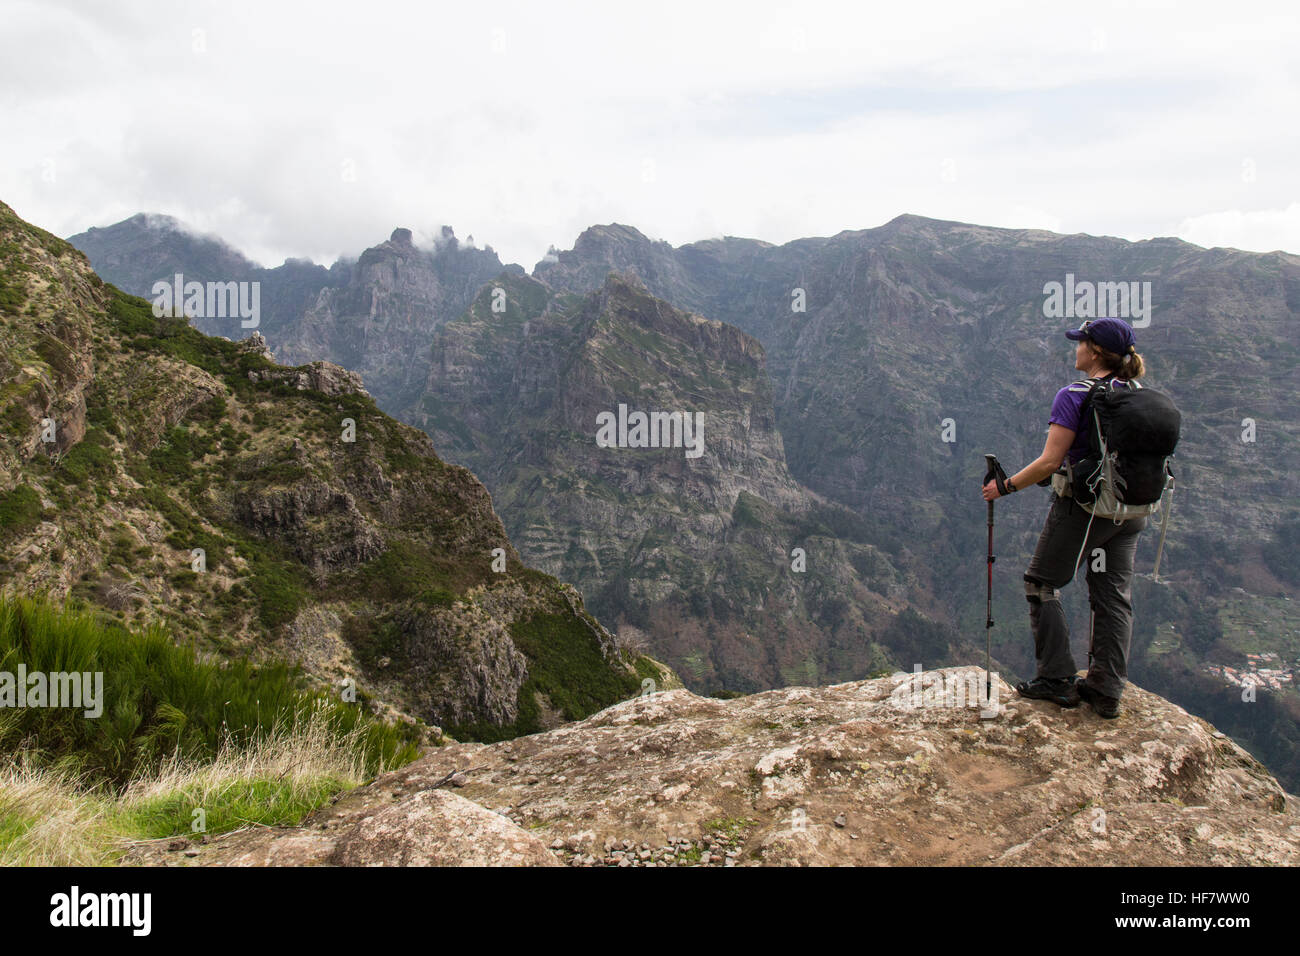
[{"x": 1106, "y": 349}]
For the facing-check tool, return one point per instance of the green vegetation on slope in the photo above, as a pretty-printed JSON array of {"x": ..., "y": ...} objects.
[
  {"x": 160, "y": 701},
  {"x": 20, "y": 511}
]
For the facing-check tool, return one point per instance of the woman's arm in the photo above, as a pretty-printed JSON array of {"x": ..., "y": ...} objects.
[{"x": 1059, "y": 440}]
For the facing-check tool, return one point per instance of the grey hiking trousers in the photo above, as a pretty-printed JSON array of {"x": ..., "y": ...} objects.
[{"x": 1109, "y": 592}]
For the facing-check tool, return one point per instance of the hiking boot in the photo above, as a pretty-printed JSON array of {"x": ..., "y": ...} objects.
[
  {"x": 1059, "y": 690},
  {"x": 1104, "y": 706}
]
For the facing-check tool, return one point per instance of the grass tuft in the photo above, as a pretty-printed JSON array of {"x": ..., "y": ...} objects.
[{"x": 52, "y": 817}]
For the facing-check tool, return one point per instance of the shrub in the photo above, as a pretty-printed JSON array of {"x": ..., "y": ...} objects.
[
  {"x": 20, "y": 511},
  {"x": 92, "y": 457}
]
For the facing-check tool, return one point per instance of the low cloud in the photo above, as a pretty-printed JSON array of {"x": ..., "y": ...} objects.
[
  {"x": 315, "y": 137},
  {"x": 1264, "y": 230}
]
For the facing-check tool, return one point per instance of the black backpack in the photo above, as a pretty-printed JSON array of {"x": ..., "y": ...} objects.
[{"x": 1132, "y": 433}]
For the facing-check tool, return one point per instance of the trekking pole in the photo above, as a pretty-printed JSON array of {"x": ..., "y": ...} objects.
[
  {"x": 994, "y": 472},
  {"x": 1092, "y": 631},
  {"x": 1164, "y": 526}
]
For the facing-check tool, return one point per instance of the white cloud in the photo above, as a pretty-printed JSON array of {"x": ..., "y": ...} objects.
[
  {"x": 1264, "y": 230},
  {"x": 314, "y": 134},
  {"x": 1031, "y": 217}
]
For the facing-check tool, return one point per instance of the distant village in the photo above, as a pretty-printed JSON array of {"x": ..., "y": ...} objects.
[{"x": 1260, "y": 670}]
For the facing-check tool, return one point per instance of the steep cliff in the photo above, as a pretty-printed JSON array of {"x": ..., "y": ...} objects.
[
  {"x": 381, "y": 321},
  {"x": 901, "y": 326}
]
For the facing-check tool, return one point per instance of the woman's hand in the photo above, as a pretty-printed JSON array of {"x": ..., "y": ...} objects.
[{"x": 1059, "y": 439}]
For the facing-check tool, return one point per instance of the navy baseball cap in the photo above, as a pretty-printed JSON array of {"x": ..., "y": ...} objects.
[{"x": 1113, "y": 335}]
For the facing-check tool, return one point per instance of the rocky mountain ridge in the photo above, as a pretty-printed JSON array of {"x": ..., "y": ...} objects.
[{"x": 373, "y": 315}]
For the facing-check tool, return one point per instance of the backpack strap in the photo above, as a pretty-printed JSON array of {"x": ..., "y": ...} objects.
[{"x": 1106, "y": 381}]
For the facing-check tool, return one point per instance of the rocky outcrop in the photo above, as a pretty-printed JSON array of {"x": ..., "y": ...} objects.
[
  {"x": 320, "y": 523},
  {"x": 466, "y": 661},
  {"x": 894, "y": 771},
  {"x": 45, "y": 381},
  {"x": 324, "y": 377}
]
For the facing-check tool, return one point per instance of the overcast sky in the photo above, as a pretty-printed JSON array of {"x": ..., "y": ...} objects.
[{"x": 313, "y": 129}]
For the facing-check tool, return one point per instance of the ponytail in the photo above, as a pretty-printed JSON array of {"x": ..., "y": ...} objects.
[
  {"x": 1128, "y": 367},
  {"x": 1132, "y": 366}
]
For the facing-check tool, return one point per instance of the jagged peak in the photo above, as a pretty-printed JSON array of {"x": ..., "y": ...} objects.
[
  {"x": 614, "y": 230},
  {"x": 597, "y": 239}
]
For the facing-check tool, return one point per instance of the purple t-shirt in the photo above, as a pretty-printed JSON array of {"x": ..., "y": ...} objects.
[{"x": 1065, "y": 412}]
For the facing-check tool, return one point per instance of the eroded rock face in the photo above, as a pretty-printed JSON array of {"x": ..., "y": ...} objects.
[
  {"x": 321, "y": 523},
  {"x": 467, "y": 664},
  {"x": 848, "y": 774},
  {"x": 373, "y": 315},
  {"x": 379, "y": 322}
]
